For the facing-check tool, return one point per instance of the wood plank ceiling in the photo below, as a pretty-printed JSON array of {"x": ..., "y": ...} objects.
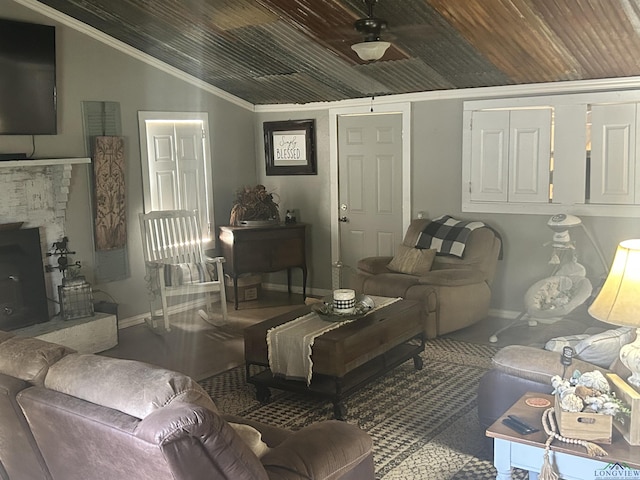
[{"x": 298, "y": 51}]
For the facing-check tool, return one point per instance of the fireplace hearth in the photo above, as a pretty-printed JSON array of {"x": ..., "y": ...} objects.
[{"x": 23, "y": 297}]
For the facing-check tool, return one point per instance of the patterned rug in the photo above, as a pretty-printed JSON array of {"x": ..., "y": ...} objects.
[{"x": 424, "y": 422}]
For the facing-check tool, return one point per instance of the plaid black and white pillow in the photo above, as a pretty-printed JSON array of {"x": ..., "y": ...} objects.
[{"x": 447, "y": 235}]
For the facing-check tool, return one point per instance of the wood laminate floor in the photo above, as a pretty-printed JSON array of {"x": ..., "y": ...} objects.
[
  {"x": 201, "y": 350},
  {"x": 195, "y": 347}
]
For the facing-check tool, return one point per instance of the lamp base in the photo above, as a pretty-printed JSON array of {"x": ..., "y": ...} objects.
[{"x": 630, "y": 358}]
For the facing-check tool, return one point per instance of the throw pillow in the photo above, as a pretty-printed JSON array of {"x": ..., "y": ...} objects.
[
  {"x": 251, "y": 437},
  {"x": 558, "y": 343},
  {"x": 602, "y": 349},
  {"x": 412, "y": 261}
]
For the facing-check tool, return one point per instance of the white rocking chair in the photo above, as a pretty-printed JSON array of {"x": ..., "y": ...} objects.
[{"x": 176, "y": 264}]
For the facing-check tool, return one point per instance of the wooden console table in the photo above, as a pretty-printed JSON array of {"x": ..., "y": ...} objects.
[{"x": 264, "y": 249}]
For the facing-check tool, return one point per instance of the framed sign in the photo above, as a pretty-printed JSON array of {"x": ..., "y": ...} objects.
[{"x": 290, "y": 147}]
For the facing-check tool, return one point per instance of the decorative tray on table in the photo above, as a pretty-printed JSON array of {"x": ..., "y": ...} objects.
[{"x": 326, "y": 310}]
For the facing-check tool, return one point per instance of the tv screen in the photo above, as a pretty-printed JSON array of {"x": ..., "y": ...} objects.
[{"x": 27, "y": 79}]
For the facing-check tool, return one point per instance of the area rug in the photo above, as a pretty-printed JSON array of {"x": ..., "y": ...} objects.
[{"x": 424, "y": 423}]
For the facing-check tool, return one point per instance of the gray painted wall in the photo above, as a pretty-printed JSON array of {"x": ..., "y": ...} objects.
[
  {"x": 436, "y": 189},
  {"x": 309, "y": 195},
  {"x": 437, "y": 147},
  {"x": 90, "y": 70}
]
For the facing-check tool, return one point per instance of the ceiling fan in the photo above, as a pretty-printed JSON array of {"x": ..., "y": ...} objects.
[{"x": 372, "y": 48}]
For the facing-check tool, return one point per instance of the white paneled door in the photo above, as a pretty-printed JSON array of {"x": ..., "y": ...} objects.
[
  {"x": 176, "y": 173},
  {"x": 370, "y": 185}
]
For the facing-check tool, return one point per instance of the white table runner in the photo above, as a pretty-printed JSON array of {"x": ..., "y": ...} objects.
[{"x": 290, "y": 344}]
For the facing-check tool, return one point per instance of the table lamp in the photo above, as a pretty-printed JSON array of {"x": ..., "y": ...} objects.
[{"x": 619, "y": 302}]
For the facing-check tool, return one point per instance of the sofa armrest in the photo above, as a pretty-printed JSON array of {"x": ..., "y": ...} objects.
[
  {"x": 452, "y": 277},
  {"x": 374, "y": 265},
  {"x": 327, "y": 449},
  {"x": 198, "y": 441}
]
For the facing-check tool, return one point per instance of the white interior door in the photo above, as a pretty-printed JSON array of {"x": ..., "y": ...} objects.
[
  {"x": 370, "y": 179},
  {"x": 190, "y": 155},
  {"x": 164, "y": 189},
  {"x": 175, "y": 164}
]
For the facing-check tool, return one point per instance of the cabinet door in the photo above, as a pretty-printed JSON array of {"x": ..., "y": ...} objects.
[
  {"x": 511, "y": 155},
  {"x": 489, "y": 156},
  {"x": 613, "y": 153},
  {"x": 529, "y": 155}
]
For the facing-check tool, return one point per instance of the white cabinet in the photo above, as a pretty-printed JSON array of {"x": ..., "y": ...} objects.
[
  {"x": 573, "y": 153},
  {"x": 510, "y": 155},
  {"x": 614, "y": 137}
]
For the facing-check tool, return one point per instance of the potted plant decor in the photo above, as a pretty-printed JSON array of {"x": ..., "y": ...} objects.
[{"x": 254, "y": 206}]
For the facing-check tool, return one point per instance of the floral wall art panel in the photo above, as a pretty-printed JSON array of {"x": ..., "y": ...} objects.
[{"x": 109, "y": 189}]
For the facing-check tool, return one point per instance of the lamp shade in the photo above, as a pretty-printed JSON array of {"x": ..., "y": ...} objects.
[
  {"x": 619, "y": 300},
  {"x": 372, "y": 50}
]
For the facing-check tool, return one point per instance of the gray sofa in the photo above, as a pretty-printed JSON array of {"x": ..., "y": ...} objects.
[
  {"x": 67, "y": 416},
  {"x": 518, "y": 369}
]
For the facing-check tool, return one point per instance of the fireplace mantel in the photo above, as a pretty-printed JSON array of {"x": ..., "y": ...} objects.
[{"x": 43, "y": 162}]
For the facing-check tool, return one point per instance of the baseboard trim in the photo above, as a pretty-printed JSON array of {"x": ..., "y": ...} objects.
[{"x": 501, "y": 313}]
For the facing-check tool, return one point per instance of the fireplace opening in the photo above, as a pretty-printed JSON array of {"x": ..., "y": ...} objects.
[{"x": 23, "y": 295}]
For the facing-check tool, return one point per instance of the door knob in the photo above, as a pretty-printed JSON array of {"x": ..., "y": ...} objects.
[{"x": 343, "y": 219}]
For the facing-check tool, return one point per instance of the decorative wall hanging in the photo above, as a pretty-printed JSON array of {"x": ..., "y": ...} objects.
[
  {"x": 290, "y": 147},
  {"x": 110, "y": 207}
]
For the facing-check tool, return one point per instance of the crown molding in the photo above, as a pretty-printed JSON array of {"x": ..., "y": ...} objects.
[
  {"x": 479, "y": 93},
  {"x": 129, "y": 50}
]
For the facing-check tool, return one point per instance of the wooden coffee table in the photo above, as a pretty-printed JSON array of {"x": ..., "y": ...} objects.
[
  {"x": 344, "y": 359},
  {"x": 570, "y": 461}
]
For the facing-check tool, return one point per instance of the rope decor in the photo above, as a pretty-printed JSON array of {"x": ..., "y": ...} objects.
[{"x": 551, "y": 429}]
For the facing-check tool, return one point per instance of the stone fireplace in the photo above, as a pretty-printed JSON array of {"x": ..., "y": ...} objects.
[{"x": 34, "y": 192}]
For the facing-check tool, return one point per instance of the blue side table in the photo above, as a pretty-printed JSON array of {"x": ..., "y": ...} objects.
[{"x": 571, "y": 462}]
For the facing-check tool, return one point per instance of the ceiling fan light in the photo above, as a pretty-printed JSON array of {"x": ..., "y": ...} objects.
[{"x": 373, "y": 50}]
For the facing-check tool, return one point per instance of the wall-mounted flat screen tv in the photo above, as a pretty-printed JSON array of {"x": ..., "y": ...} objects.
[{"x": 27, "y": 79}]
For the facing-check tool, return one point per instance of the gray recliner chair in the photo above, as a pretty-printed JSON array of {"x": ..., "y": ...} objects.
[{"x": 455, "y": 293}]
